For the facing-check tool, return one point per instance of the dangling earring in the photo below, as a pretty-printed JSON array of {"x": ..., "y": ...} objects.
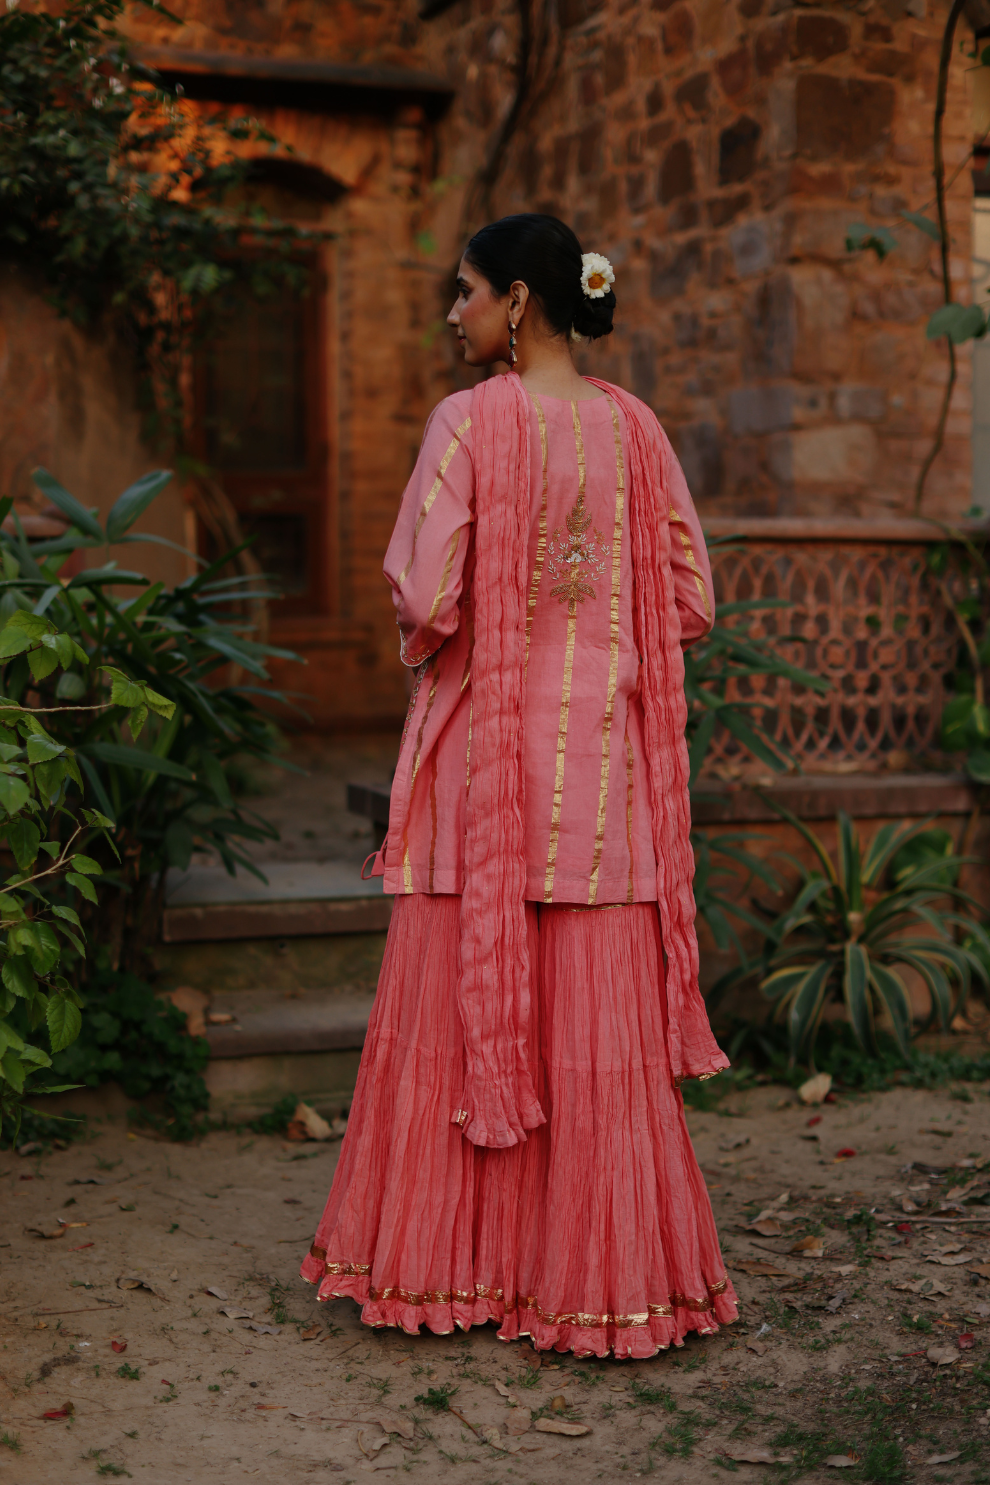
[{"x": 512, "y": 344}]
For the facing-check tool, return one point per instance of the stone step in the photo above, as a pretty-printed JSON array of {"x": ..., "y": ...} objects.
[
  {"x": 300, "y": 899},
  {"x": 265, "y": 1022}
]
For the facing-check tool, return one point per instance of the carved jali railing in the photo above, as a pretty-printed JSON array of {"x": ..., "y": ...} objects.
[{"x": 866, "y": 614}]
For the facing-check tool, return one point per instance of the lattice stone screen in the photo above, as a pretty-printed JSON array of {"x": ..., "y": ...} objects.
[{"x": 865, "y": 614}]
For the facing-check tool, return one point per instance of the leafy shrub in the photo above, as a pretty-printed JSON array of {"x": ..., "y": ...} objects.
[{"x": 132, "y": 1036}]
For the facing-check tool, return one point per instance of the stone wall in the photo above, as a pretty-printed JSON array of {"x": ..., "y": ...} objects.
[{"x": 717, "y": 154}]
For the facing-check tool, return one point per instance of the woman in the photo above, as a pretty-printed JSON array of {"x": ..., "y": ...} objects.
[{"x": 517, "y": 1150}]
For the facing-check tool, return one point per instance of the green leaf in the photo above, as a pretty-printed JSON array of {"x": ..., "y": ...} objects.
[
  {"x": 23, "y": 838},
  {"x": 9, "y": 1038},
  {"x": 64, "y": 1022},
  {"x": 12, "y": 1069},
  {"x": 68, "y": 504},
  {"x": 806, "y": 1008},
  {"x": 138, "y": 758},
  {"x": 42, "y": 663},
  {"x": 959, "y": 322},
  {"x": 86, "y": 864},
  {"x": 69, "y": 914},
  {"x": 135, "y": 499},
  {"x": 14, "y": 793},
  {"x": 923, "y": 224},
  {"x": 33, "y": 625},
  {"x": 17, "y": 976},
  {"x": 36, "y": 1056},
  {"x": 13, "y": 642},
  {"x": 179, "y": 844},
  {"x": 82, "y": 884},
  {"x": 109, "y": 573},
  {"x": 855, "y": 990},
  {"x": 43, "y": 749},
  {"x": 217, "y": 779},
  {"x": 893, "y": 994},
  {"x": 49, "y": 776},
  {"x": 45, "y": 957},
  {"x": 70, "y": 687}
]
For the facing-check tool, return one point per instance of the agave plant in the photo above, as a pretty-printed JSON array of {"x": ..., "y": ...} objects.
[{"x": 849, "y": 934}]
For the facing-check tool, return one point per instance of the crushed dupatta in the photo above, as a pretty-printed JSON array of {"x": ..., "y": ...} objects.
[{"x": 498, "y": 1103}]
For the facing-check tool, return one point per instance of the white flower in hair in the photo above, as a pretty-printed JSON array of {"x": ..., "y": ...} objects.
[{"x": 597, "y": 276}]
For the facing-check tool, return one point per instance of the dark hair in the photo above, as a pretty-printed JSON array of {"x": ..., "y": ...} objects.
[{"x": 545, "y": 255}]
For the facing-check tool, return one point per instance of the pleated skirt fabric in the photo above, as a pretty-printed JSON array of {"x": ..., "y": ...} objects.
[{"x": 597, "y": 1233}]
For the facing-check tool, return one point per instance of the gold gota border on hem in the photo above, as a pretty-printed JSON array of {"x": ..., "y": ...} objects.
[
  {"x": 584, "y": 1320},
  {"x": 541, "y": 542},
  {"x": 613, "y": 654},
  {"x": 689, "y": 557},
  {"x": 565, "y": 693},
  {"x": 452, "y": 448},
  {"x": 406, "y": 867},
  {"x": 445, "y": 578}
]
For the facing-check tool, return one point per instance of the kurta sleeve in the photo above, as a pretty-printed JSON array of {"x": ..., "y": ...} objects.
[
  {"x": 425, "y": 558},
  {"x": 694, "y": 593}
]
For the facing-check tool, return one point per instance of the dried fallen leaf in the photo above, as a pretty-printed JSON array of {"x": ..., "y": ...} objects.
[
  {"x": 393, "y": 1423},
  {"x": 134, "y": 1281},
  {"x": 502, "y": 1390},
  {"x": 815, "y": 1089},
  {"x": 844, "y": 1269},
  {"x": 558, "y": 1404},
  {"x": 735, "y": 1144},
  {"x": 927, "y": 1288},
  {"x": 965, "y": 1342},
  {"x": 558, "y": 1425},
  {"x": 942, "y": 1355},
  {"x": 217, "y": 1293},
  {"x": 261, "y": 1329},
  {"x": 43, "y": 1232},
  {"x": 119, "y": 1346},
  {"x": 492, "y": 1436},
  {"x": 766, "y": 1227},
  {"x": 234, "y": 1312},
  {"x": 531, "y": 1357},
  {"x": 837, "y": 1301},
  {"x": 519, "y": 1421},
  {"x": 982, "y": 1270},
  {"x": 311, "y": 1332},
  {"x": 847, "y": 1154},
  {"x": 943, "y": 1458},
  {"x": 760, "y": 1348},
  {"x": 907, "y": 1205},
  {"x": 841, "y": 1461},
  {"x": 757, "y": 1266},
  {"x": 755, "y": 1454},
  {"x": 316, "y": 1127},
  {"x": 949, "y": 1260},
  {"x": 809, "y": 1247}
]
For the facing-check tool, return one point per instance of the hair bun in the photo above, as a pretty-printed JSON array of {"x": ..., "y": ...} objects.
[{"x": 593, "y": 317}]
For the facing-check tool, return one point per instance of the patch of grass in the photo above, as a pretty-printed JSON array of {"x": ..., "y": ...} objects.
[
  {"x": 653, "y": 1396},
  {"x": 129, "y": 1373},
  {"x": 113, "y": 1469},
  {"x": 437, "y": 1399},
  {"x": 678, "y": 1438},
  {"x": 917, "y": 1322},
  {"x": 383, "y": 1385},
  {"x": 11, "y": 1441},
  {"x": 529, "y": 1378}
]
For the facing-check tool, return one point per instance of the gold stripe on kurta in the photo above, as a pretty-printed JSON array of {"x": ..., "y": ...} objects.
[
  {"x": 613, "y": 654},
  {"x": 629, "y": 811},
  {"x": 565, "y": 694},
  {"x": 541, "y": 543},
  {"x": 692, "y": 562},
  {"x": 452, "y": 448},
  {"x": 406, "y": 867},
  {"x": 441, "y": 591}
]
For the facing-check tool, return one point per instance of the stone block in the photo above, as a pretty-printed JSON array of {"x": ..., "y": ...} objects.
[
  {"x": 700, "y": 452},
  {"x": 671, "y": 269},
  {"x": 848, "y": 117},
  {"x": 737, "y": 151},
  {"x": 591, "y": 141},
  {"x": 886, "y": 62},
  {"x": 687, "y": 329},
  {"x": 724, "y": 209},
  {"x": 676, "y": 172},
  {"x": 734, "y": 72},
  {"x": 655, "y": 101},
  {"x": 692, "y": 97},
  {"x": 683, "y": 215},
  {"x": 760, "y": 409},
  {"x": 837, "y": 455},
  {"x": 771, "y": 328},
  {"x": 643, "y": 364},
  {"x": 616, "y": 69},
  {"x": 864, "y": 404},
  {"x": 819, "y": 36},
  {"x": 678, "y": 32},
  {"x": 770, "y": 48},
  {"x": 819, "y": 234},
  {"x": 752, "y": 248}
]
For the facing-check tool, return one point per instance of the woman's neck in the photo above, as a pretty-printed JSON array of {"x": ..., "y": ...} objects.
[{"x": 545, "y": 367}]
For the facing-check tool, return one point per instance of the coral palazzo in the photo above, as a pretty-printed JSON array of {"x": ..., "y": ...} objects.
[{"x": 593, "y": 1231}]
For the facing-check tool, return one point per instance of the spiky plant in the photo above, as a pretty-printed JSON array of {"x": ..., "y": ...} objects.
[{"x": 848, "y": 934}]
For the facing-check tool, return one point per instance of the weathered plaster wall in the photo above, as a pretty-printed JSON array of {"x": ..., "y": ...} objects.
[{"x": 67, "y": 402}]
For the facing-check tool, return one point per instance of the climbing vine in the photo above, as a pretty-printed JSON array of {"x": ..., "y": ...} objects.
[{"x": 117, "y": 195}]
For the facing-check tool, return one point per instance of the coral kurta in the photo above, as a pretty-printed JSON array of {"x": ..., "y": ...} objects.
[{"x": 588, "y": 810}]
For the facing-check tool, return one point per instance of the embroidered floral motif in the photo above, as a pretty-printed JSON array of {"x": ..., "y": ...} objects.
[{"x": 576, "y": 558}]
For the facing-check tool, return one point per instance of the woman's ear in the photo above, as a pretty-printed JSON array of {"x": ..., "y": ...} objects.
[{"x": 518, "y": 299}]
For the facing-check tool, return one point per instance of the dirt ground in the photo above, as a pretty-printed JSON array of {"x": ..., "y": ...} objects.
[{"x": 829, "y": 1357}]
